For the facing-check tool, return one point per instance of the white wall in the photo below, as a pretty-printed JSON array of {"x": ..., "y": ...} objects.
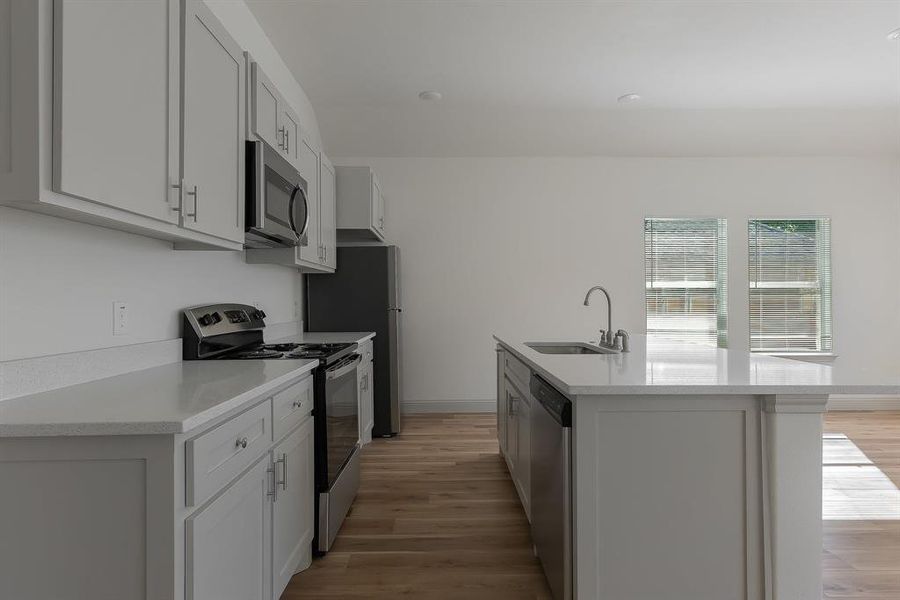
[
  {"x": 512, "y": 244},
  {"x": 59, "y": 278}
]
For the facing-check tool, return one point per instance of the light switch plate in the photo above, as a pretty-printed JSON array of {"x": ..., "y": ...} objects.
[{"x": 120, "y": 318}]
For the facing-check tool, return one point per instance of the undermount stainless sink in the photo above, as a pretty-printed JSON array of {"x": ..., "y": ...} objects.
[{"x": 568, "y": 348}]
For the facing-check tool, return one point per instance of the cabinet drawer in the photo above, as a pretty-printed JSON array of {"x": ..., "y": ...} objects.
[
  {"x": 518, "y": 371},
  {"x": 214, "y": 458},
  {"x": 291, "y": 405}
]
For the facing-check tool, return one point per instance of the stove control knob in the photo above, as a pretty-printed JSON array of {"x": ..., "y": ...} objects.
[
  {"x": 216, "y": 317},
  {"x": 259, "y": 315},
  {"x": 206, "y": 319}
]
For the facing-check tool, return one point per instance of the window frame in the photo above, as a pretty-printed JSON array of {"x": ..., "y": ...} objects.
[{"x": 821, "y": 355}]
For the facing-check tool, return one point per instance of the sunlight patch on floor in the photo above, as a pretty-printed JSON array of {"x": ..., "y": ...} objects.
[{"x": 853, "y": 488}]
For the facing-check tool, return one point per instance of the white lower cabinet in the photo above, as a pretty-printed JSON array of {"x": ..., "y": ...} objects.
[
  {"x": 228, "y": 543},
  {"x": 514, "y": 422},
  {"x": 225, "y": 512},
  {"x": 293, "y": 510},
  {"x": 365, "y": 379}
]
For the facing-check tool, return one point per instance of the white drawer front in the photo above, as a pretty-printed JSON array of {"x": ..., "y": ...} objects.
[
  {"x": 217, "y": 456},
  {"x": 291, "y": 405},
  {"x": 518, "y": 371}
]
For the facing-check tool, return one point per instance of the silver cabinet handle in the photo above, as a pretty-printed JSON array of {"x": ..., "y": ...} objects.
[
  {"x": 196, "y": 194},
  {"x": 296, "y": 404},
  {"x": 283, "y": 461},
  {"x": 282, "y": 131},
  {"x": 287, "y": 141},
  {"x": 241, "y": 443}
]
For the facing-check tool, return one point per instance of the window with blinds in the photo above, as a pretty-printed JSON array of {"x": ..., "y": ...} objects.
[
  {"x": 790, "y": 285},
  {"x": 685, "y": 262}
]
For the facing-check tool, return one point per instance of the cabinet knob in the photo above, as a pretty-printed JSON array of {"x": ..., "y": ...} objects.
[
  {"x": 296, "y": 404},
  {"x": 241, "y": 442}
]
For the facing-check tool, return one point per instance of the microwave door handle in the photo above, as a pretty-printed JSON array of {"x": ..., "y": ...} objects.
[
  {"x": 302, "y": 231},
  {"x": 343, "y": 370}
]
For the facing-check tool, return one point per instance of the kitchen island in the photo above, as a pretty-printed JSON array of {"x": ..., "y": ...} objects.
[{"x": 696, "y": 471}]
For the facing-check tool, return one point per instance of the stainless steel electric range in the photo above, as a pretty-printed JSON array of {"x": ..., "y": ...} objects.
[{"x": 235, "y": 332}]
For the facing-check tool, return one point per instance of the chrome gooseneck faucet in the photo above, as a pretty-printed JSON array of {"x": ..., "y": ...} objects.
[{"x": 617, "y": 341}]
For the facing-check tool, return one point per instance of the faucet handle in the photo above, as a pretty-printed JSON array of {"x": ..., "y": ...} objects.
[
  {"x": 622, "y": 340},
  {"x": 602, "y": 339}
]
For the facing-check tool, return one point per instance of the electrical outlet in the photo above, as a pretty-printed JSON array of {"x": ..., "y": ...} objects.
[{"x": 120, "y": 318}]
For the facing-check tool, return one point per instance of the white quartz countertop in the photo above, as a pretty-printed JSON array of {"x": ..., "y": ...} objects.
[
  {"x": 173, "y": 398},
  {"x": 665, "y": 367}
]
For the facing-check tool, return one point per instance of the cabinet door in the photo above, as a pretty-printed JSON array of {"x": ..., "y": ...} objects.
[
  {"x": 512, "y": 427},
  {"x": 309, "y": 169},
  {"x": 367, "y": 401},
  {"x": 289, "y": 130},
  {"x": 213, "y": 127},
  {"x": 292, "y": 525},
  {"x": 228, "y": 543},
  {"x": 502, "y": 400},
  {"x": 377, "y": 205},
  {"x": 264, "y": 109},
  {"x": 328, "y": 219},
  {"x": 523, "y": 462},
  {"x": 116, "y": 109}
]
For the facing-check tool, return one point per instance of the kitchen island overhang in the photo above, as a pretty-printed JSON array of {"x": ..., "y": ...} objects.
[{"x": 697, "y": 471}]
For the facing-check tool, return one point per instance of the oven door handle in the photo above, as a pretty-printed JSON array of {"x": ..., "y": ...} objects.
[{"x": 341, "y": 369}]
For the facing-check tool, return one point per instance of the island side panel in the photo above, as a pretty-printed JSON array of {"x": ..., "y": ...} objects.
[
  {"x": 86, "y": 517},
  {"x": 793, "y": 426},
  {"x": 668, "y": 497}
]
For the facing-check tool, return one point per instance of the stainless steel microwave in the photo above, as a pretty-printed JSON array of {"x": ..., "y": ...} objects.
[{"x": 277, "y": 212}]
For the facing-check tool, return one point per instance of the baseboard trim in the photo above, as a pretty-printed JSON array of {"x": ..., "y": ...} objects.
[
  {"x": 449, "y": 406},
  {"x": 843, "y": 402}
]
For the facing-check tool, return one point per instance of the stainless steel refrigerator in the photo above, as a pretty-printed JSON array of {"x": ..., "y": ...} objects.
[{"x": 364, "y": 295}]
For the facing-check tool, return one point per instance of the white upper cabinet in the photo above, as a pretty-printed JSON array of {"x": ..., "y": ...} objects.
[
  {"x": 213, "y": 127},
  {"x": 271, "y": 117},
  {"x": 289, "y": 127},
  {"x": 328, "y": 215},
  {"x": 116, "y": 104},
  {"x": 309, "y": 170},
  {"x": 97, "y": 125},
  {"x": 264, "y": 99},
  {"x": 360, "y": 205}
]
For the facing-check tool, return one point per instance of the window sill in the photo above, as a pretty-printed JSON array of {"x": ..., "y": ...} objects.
[{"x": 815, "y": 357}]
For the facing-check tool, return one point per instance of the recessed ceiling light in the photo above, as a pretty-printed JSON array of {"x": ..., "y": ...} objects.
[
  {"x": 894, "y": 35},
  {"x": 629, "y": 98},
  {"x": 430, "y": 95}
]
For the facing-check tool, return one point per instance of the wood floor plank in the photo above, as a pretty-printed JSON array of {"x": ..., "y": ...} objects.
[{"x": 436, "y": 518}]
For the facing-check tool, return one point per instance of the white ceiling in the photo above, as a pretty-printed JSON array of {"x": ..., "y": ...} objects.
[{"x": 542, "y": 77}]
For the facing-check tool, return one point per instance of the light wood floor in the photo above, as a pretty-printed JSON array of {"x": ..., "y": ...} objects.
[
  {"x": 862, "y": 506},
  {"x": 437, "y": 517}
]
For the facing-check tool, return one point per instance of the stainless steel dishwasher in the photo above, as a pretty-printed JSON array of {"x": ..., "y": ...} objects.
[{"x": 551, "y": 485}]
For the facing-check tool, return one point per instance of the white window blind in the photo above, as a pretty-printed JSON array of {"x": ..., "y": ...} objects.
[
  {"x": 790, "y": 285},
  {"x": 686, "y": 279}
]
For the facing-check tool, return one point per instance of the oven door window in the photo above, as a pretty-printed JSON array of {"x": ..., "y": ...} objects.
[
  {"x": 279, "y": 199},
  {"x": 341, "y": 408}
]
